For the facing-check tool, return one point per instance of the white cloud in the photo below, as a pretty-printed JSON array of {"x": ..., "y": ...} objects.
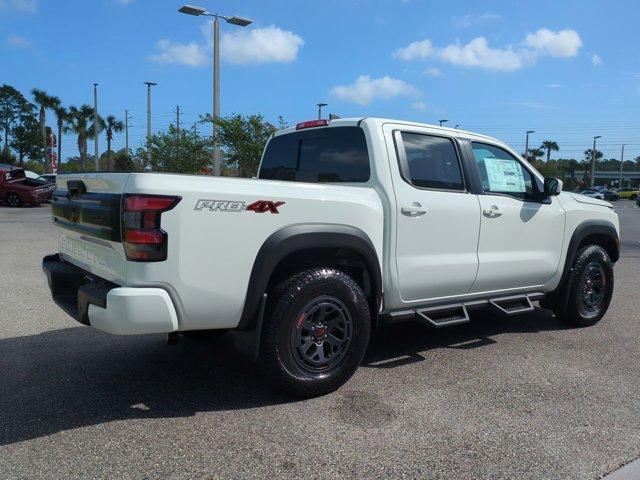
[
  {"x": 432, "y": 71},
  {"x": 562, "y": 44},
  {"x": 366, "y": 89},
  {"x": 534, "y": 105},
  {"x": 554, "y": 85},
  {"x": 478, "y": 53},
  {"x": 260, "y": 45},
  {"x": 416, "y": 50},
  {"x": 596, "y": 60},
  {"x": 18, "y": 42},
  {"x": 420, "y": 106},
  {"x": 125, "y": 2},
  {"x": 22, "y": 5},
  {"x": 475, "y": 19},
  {"x": 191, "y": 54}
]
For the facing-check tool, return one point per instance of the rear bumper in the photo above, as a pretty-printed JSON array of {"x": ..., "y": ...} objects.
[{"x": 107, "y": 306}]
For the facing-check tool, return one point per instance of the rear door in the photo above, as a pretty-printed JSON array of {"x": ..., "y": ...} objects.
[
  {"x": 86, "y": 207},
  {"x": 438, "y": 220},
  {"x": 521, "y": 237}
]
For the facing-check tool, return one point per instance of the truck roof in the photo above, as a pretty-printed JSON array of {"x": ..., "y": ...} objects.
[{"x": 352, "y": 121}]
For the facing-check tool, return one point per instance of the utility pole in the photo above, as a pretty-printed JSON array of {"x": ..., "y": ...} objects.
[
  {"x": 526, "y": 145},
  {"x": 621, "y": 164},
  {"x": 593, "y": 160},
  {"x": 149, "y": 85},
  {"x": 320, "y": 105},
  {"x": 195, "y": 128},
  {"x": 95, "y": 126},
  {"x": 126, "y": 130},
  {"x": 178, "y": 119}
]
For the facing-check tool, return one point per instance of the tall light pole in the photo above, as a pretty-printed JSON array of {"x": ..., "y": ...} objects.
[
  {"x": 526, "y": 145},
  {"x": 593, "y": 160},
  {"x": 95, "y": 127},
  {"x": 239, "y": 21},
  {"x": 149, "y": 85},
  {"x": 320, "y": 105},
  {"x": 443, "y": 121},
  {"x": 126, "y": 130},
  {"x": 621, "y": 163}
]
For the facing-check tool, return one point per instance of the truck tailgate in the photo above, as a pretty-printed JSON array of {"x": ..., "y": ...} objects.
[{"x": 87, "y": 209}]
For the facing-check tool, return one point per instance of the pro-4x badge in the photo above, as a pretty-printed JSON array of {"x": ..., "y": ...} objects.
[{"x": 259, "y": 206}]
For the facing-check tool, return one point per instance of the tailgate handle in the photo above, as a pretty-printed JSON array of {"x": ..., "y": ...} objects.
[{"x": 76, "y": 188}]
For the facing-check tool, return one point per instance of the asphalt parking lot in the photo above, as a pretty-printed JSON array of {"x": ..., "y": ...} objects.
[{"x": 521, "y": 397}]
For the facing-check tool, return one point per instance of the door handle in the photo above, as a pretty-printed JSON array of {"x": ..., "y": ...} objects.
[
  {"x": 415, "y": 210},
  {"x": 492, "y": 212}
]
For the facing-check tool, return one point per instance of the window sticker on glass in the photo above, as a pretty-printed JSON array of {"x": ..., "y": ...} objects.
[{"x": 504, "y": 175}]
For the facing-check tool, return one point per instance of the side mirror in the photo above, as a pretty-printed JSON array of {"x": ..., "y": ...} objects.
[{"x": 552, "y": 186}]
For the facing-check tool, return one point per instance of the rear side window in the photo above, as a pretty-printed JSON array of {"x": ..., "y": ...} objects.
[
  {"x": 334, "y": 154},
  {"x": 431, "y": 162}
]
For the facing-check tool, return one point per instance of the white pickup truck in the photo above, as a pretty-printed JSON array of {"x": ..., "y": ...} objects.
[{"x": 351, "y": 223}]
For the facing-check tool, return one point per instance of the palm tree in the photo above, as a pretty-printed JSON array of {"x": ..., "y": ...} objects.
[
  {"x": 111, "y": 125},
  {"x": 45, "y": 101},
  {"x": 534, "y": 153},
  {"x": 549, "y": 145},
  {"x": 79, "y": 122},
  {"x": 62, "y": 116}
]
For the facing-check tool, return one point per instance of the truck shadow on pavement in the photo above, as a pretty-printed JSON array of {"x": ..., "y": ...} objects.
[{"x": 76, "y": 377}]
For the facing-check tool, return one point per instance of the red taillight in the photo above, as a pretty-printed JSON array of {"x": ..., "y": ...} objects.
[
  {"x": 312, "y": 124},
  {"x": 142, "y": 237}
]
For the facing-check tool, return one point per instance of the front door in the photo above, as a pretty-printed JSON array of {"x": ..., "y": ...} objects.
[
  {"x": 438, "y": 221},
  {"x": 520, "y": 237}
]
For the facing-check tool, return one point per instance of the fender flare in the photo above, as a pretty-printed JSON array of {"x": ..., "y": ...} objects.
[{"x": 296, "y": 238}]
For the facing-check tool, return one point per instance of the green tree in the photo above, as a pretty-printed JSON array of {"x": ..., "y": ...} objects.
[
  {"x": 44, "y": 101},
  {"x": 242, "y": 138},
  {"x": 25, "y": 139},
  {"x": 80, "y": 123},
  {"x": 12, "y": 106},
  {"x": 62, "y": 117},
  {"x": 170, "y": 152},
  {"x": 535, "y": 153},
  {"x": 588, "y": 154},
  {"x": 111, "y": 125},
  {"x": 549, "y": 145}
]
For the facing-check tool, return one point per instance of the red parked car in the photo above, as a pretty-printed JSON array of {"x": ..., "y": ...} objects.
[{"x": 16, "y": 189}]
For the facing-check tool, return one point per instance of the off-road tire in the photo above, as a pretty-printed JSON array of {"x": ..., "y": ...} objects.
[
  {"x": 591, "y": 260},
  {"x": 296, "y": 311}
]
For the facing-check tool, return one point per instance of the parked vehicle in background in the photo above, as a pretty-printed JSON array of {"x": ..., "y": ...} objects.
[
  {"x": 593, "y": 193},
  {"x": 48, "y": 177},
  {"x": 351, "y": 223},
  {"x": 610, "y": 195},
  {"x": 629, "y": 192},
  {"x": 30, "y": 174},
  {"x": 16, "y": 189}
]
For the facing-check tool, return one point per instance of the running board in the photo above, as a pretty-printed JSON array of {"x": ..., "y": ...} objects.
[
  {"x": 512, "y": 305},
  {"x": 444, "y": 316}
]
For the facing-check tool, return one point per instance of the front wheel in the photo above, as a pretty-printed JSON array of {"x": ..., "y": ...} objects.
[
  {"x": 591, "y": 287},
  {"x": 13, "y": 200},
  {"x": 316, "y": 332}
]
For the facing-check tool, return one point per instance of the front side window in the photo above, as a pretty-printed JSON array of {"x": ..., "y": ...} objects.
[
  {"x": 432, "y": 162},
  {"x": 502, "y": 173},
  {"x": 332, "y": 155}
]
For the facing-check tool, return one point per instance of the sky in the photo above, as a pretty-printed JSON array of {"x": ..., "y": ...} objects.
[{"x": 568, "y": 70}]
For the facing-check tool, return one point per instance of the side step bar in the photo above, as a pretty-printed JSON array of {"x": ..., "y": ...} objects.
[
  {"x": 512, "y": 305},
  {"x": 458, "y": 313},
  {"x": 444, "y": 316}
]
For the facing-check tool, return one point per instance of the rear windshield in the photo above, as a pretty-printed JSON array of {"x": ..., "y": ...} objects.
[{"x": 333, "y": 154}]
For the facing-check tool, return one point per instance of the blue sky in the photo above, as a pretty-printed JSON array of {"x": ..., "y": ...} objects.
[{"x": 568, "y": 70}]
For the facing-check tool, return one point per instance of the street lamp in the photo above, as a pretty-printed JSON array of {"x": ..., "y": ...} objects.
[
  {"x": 240, "y": 22},
  {"x": 320, "y": 105},
  {"x": 442, "y": 121},
  {"x": 149, "y": 85},
  {"x": 593, "y": 159},
  {"x": 621, "y": 163},
  {"x": 526, "y": 145}
]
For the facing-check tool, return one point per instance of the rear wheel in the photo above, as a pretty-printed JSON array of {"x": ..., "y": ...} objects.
[
  {"x": 591, "y": 287},
  {"x": 13, "y": 200},
  {"x": 316, "y": 332}
]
